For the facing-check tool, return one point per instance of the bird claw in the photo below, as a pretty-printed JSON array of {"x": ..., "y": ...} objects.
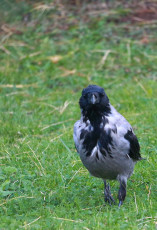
[
  {"x": 108, "y": 197},
  {"x": 120, "y": 203}
]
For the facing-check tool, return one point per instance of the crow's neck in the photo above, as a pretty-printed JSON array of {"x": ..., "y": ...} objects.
[{"x": 96, "y": 116}]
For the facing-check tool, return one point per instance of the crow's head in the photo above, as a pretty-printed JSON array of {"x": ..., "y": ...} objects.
[{"x": 94, "y": 99}]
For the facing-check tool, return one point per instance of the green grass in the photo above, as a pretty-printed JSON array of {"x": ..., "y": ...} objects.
[{"x": 43, "y": 184}]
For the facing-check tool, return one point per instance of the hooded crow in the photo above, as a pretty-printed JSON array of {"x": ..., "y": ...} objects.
[{"x": 105, "y": 141}]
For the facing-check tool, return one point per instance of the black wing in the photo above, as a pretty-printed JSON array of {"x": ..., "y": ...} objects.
[{"x": 134, "y": 151}]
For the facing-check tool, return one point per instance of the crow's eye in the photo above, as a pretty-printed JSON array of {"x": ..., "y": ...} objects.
[
  {"x": 102, "y": 94},
  {"x": 86, "y": 95}
]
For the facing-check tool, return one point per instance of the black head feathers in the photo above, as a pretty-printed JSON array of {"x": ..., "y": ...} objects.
[
  {"x": 94, "y": 99},
  {"x": 92, "y": 89}
]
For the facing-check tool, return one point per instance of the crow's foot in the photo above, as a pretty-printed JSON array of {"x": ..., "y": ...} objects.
[
  {"x": 122, "y": 191},
  {"x": 107, "y": 193},
  {"x": 120, "y": 203}
]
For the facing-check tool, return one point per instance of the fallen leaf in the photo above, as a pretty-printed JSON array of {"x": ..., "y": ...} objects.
[
  {"x": 55, "y": 59},
  {"x": 68, "y": 72},
  {"x": 144, "y": 41},
  {"x": 44, "y": 7}
]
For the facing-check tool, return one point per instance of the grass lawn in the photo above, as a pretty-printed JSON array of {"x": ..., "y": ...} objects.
[{"x": 48, "y": 54}]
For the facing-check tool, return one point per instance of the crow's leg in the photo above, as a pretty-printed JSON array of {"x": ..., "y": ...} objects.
[
  {"x": 122, "y": 190},
  {"x": 107, "y": 193}
]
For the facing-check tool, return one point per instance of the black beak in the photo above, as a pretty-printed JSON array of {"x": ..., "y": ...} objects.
[{"x": 94, "y": 99}]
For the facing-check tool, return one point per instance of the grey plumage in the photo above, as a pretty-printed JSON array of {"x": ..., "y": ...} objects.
[{"x": 105, "y": 140}]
